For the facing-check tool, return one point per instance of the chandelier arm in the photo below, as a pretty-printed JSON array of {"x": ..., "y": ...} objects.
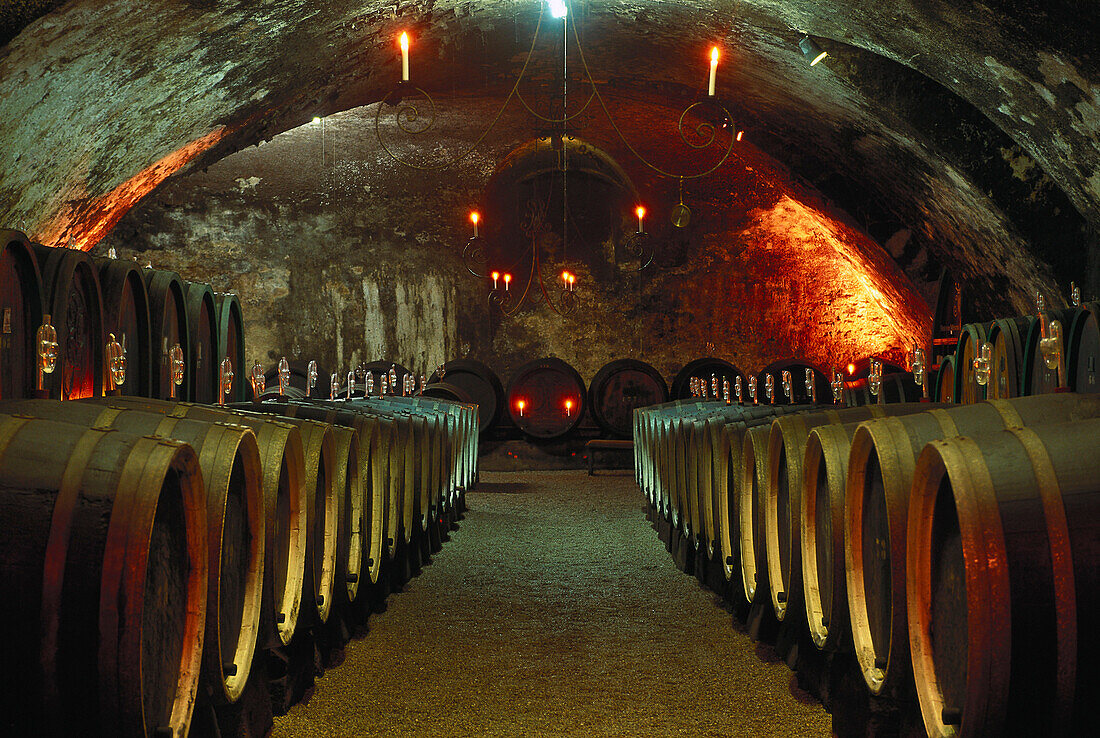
[
  {"x": 477, "y": 142},
  {"x": 630, "y": 147},
  {"x": 545, "y": 119},
  {"x": 527, "y": 288}
]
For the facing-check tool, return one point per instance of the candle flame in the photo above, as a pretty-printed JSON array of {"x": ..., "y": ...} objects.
[
  {"x": 640, "y": 211},
  {"x": 496, "y": 276},
  {"x": 475, "y": 217},
  {"x": 851, "y": 368},
  {"x": 714, "y": 55},
  {"x": 404, "y": 41},
  {"x": 507, "y": 278},
  {"x": 565, "y": 276},
  {"x": 572, "y": 279},
  {"x": 740, "y": 134}
]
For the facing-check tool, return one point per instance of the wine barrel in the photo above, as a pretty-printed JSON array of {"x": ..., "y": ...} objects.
[
  {"x": 348, "y": 490},
  {"x": 1007, "y": 337},
  {"x": 783, "y": 494},
  {"x": 880, "y": 475},
  {"x": 825, "y": 474},
  {"x": 168, "y": 318},
  {"x": 482, "y": 386},
  {"x": 104, "y": 579},
  {"x": 1038, "y": 377},
  {"x": 447, "y": 391},
  {"x": 967, "y": 389},
  {"x": 1003, "y": 581},
  {"x": 945, "y": 381},
  {"x": 546, "y": 398},
  {"x": 75, "y": 304},
  {"x": 231, "y": 342},
  {"x": 750, "y": 510},
  {"x": 619, "y": 388},
  {"x": 646, "y": 453},
  {"x": 800, "y": 394},
  {"x": 202, "y": 330},
  {"x": 1083, "y": 350},
  {"x": 705, "y": 368},
  {"x": 21, "y": 303},
  {"x": 230, "y": 464},
  {"x": 126, "y": 316},
  {"x": 283, "y": 462}
]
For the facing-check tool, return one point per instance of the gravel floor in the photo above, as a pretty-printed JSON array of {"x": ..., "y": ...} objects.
[{"x": 555, "y": 610}]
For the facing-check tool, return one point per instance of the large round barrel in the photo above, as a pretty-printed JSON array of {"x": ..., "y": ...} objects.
[
  {"x": 230, "y": 463},
  {"x": 1039, "y": 378},
  {"x": 482, "y": 386},
  {"x": 880, "y": 475},
  {"x": 649, "y": 450},
  {"x": 706, "y": 369},
  {"x": 231, "y": 342},
  {"x": 945, "y": 381},
  {"x": 168, "y": 320},
  {"x": 202, "y": 331},
  {"x": 1007, "y": 337},
  {"x": 967, "y": 389},
  {"x": 799, "y": 392},
  {"x": 283, "y": 462},
  {"x": 75, "y": 304},
  {"x": 783, "y": 494},
  {"x": 1083, "y": 350},
  {"x": 126, "y": 317},
  {"x": 619, "y": 388},
  {"x": 546, "y": 398},
  {"x": 1003, "y": 582},
  {"x": 447, "y": 391},
  {"x": 825, "y": 474},
  {"x": 750, "y": 511},
  {"x": 104, "y": 579},
  {"x": 348, "y": 490},
  {"x": 21, "y": 295}
]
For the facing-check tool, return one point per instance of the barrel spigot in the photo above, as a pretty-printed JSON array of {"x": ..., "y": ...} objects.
[
  {"x": 115, "y": 358},
  {"x": 175, "y": 357},
  {"x": 874, "y": 379},
  {"x": 1040, "y": 303},
  {"x": 441, "y": 370},
  {"x": 838, "y": 387},
  {"x": 351, "y": 385},
  {"x": 983, "y": 364},
  {"x": 423, "y": 383},
  {"x": 334, "y": 386},
  {"x": 46, "y": 345},
  {"x": 393, "y": 377},
  {"x": 368, "y": 385},
  {"x": 919, "y": 369},
  {"x": 1050, "y": 346},
  {"x": 258, "y": 381},
  {"x": 752, "y": 390},
  {"x": 1074, "y": 294},
  {"x": 788, "y": 385},
  {"x": 311, "y": 376},
  {"x": 769, "y": 388},
  {"x": 385, "y": 387},
  {"x": 737, "y": 390},
  {"x": 726, "y": 389},
  {"x": 225, "y": 380},
  {"x": 714, "y": 386},
  {"x": 811, "y": 385},
  {"x": 284, "y": 376}
]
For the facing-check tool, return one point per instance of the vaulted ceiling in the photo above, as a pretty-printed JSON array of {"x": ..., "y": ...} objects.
[{"x": 962, "y": 134}]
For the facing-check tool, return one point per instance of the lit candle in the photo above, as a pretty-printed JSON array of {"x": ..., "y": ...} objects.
[
  {"x": 520, "y": 405},
  {"x": 851, "y": 368},
  {"x": 568, "y": 408},
  {"x": 474, "y": 218},
  {"x": 740, "y": 134},
  {"x": 495, "y": 276},
  {"x": 507, "y": 281},
  {"x": 572, "y": 279},
  {"x": 640, "y": 212},
  {"x": 405, "y": 60},
  {"x": 713, "y": 69}
]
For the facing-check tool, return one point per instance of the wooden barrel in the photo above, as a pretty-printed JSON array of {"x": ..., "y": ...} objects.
[
  {"x": 1007, "y": 337},
  {"x": 230, "y": 464},
  {"x": 945, "y": 381},
  {"x": 1083, "y": 350},
  {"x": 1003, "y": 581},
  {"x": 1038, "y": 378},
  {"x": 646, "y": 458},
  {"x": 825, "y": 474},
  {"x": 546, "y": 398},
  {"x": 75, "y": 304},
  {"x": 446, "y": 391},
  {"x": 202, "y": 330},
  {"x": 620, "y": 387},
  {"x": 706, "y": 368},
  {"x": 21, "y": 294},
  {"x": 783, "y": 494},
  {"x": 348, "y": 485},
  {"x": 967, "y": 389},
  {"x": 480, "y": 384},
  {"x": 283, "y": 462},
  {"x": 105, "y": 582},
  {"x": 126, "y": 316},
  {"x": 800, "y": 394},
  {"x": 750, "y": 506},
  {"x": 168, "y": 319},
  {"x": 880, "y": 475},
  {"x": 231, "y": 342}
]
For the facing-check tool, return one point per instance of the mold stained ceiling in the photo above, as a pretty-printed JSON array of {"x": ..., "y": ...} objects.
[{"x": 967, "y": 130}]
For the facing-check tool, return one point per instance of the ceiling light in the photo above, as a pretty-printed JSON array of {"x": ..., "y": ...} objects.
[
  {"x": 557, "y": 8},
  {"x": 811, "y": 50}
]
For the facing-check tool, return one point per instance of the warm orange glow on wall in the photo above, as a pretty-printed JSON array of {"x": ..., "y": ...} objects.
[{"x": 86, "y": 221}]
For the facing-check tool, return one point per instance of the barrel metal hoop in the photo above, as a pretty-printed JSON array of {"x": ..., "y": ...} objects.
[
  {"x": 1011, "y": 418},
  {"x": 164, "y": 428},
  {"x": 877, "y": 411},
  {"x": 946, "y": 422},
  {"x": 9, "y": 429},
  {"x": 1061, "y": 562},
  {"x": 834, "y": 417},
  {"x": 106, "y": 418}
]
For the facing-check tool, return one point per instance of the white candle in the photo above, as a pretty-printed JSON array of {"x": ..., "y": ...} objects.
[
  {"x": 474, "y": 218},
  {"x": 640, "y": 212},
  {"x": 405, "y": 60},
  {"x": 713, "y": 70}
]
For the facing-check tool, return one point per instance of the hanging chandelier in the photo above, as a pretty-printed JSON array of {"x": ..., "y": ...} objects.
[{"x": 542, "y": 270}]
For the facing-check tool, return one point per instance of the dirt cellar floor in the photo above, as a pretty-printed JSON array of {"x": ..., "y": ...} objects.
[{"x": 554, "y": 610}]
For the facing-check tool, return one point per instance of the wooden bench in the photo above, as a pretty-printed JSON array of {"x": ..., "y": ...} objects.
[{"x": 600, "y": 444}]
